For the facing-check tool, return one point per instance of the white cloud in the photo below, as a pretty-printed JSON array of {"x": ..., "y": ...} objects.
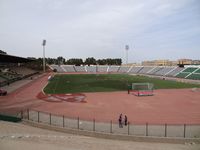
[{"x": 98, "y": 28}]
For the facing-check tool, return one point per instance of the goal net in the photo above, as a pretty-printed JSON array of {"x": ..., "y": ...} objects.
[{"x": 141, "y": 89}]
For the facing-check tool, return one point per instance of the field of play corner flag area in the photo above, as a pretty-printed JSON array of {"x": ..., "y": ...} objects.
[{"x": 79, "y": 83}]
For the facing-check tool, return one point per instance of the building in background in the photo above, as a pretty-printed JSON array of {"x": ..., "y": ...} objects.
[
  {"x": 184, "y": 61},
  {"x": 196, "y": 62},
  {"x": 163, "y": 62}
]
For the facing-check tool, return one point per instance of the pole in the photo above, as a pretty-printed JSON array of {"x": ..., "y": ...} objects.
[
  {"x": 111, "y": 126},
  {"x": 126, "y": 56},
  {"x": 128, "y": 128},
  {"x": 50, "y": 118},
  {"x": 44, "y": 58},
  {"x": 28, "y": 113},
  {"x": 147, "y": 129},
  {"x": 38, "y": 116},
  {"x": 43, "y": 44},
  {"x": 78, "y": 123},
  {"x": 184, "y": 126},
  {"x": 127, "y": 48},
  {"x": 93, "y": 124},
  {"x": 63, "y": 121}
]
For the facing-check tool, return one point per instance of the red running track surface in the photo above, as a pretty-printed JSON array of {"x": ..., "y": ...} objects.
[{"x": 174, "y": 106}]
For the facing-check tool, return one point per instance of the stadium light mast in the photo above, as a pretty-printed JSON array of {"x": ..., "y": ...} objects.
[
  {"x": 126, "y": 48},
  {"x": 43, "y": 44}
]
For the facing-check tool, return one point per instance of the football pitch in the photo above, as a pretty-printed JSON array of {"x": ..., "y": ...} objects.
[{"x": 76, "y": 83}]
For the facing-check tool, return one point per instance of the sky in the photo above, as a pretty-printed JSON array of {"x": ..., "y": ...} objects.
[{"x": 153, "y": 29}]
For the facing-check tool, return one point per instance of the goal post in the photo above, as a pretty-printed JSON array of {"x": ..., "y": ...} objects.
[{"x": 141, "y": 89}]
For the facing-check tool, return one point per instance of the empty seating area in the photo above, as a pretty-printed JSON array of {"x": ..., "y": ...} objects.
[
  {"x": 169, "y": 71},
  {"x": 197, "y": 71},
  {"x": 102, "y": 68},
  {"x": 113, "y": 68},
  {"x": 23, "y": 71},
  {"x": 80, "y": 68},
  {"x": 194, "y": 76},
  {"x": 123, "y": 69},
  {"x": 190, "y": 69},
  {"x": 57, "y": 68},
  {"x": 136, "y": 69},
  {"x": 182, "y": 75},
  {"x": 68, "y": 68},
  {"x": 145, "y": 70},
  {"x": 154, "y": 70},
  {"x": 190, "y": 73},
  {"x": 164, "y": 71},
  {"x": 9, "y": 74},
  {"x": 91, "y": 69},
  {"x": 174, "y": 71}
]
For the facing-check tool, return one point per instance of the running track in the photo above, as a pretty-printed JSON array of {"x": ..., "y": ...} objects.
[{"x": 166, "y": 106}]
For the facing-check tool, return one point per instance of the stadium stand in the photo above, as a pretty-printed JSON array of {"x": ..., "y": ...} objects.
[
  {"x": 2, "y": 79},
  {"x": 23, "y": 71},
  {"x": 123, "y": 69},
  {"x": 194, "y": 76},
  {"x": 174, "y": 72},
  {"x": 197, "y": 71},
  {"x": 154, "y": 70},
  {"x": 91, "y": 69},
  {"x": 68, "y": 68},
  {"x": 57, "y": 68},
  {"x": 189, "y": 73},
  {"x": 102, "y": 68},
  {"x": 164, "y": 71},
  {"x": 13, "y": 68},
  {"x": 136, "y": 69},
  {"x": 80, "y": 68},
  {"x": 182, "y": 74},
  {"x": 11, "y": 74},
  {"x": 169, "y": 71},
  {"x": 113, "y": 68},
  {"x": 190, "y": 69},
  {"x": 145, "y": 69}
]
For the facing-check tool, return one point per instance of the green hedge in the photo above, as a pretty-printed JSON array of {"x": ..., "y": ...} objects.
[{"x": 9, "y": 118}]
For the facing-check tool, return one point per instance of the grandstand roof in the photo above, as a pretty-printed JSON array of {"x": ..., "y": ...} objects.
[{"x": 13, "y": 59}]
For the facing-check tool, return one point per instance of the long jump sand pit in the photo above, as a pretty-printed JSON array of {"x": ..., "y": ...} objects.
[{"x": 174, "y": 106}]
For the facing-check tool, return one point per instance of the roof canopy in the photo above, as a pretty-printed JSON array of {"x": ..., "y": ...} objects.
[{"x": 13, "y": 59}]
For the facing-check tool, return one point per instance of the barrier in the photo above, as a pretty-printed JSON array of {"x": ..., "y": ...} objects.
[{"x": 112, "y": 127}]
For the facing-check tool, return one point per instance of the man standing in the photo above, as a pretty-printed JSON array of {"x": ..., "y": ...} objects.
[
  {"x": 125, "y": 120},
  {"x": 120, "y": 121}
]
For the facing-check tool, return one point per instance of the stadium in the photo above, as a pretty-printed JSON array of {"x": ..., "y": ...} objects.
[
  {"x": 153, "y": 97},
  {"x": 99, "y": 75}
]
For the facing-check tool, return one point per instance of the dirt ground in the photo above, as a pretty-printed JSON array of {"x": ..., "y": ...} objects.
[{"x": 22, "y": 137}]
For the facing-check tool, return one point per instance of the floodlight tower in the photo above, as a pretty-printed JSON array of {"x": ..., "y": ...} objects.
[
  {"x": 126, "y": 48},
  {"x": 43, "y": 44}
]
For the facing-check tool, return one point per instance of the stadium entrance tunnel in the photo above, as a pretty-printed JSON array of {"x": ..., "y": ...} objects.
[{"x": 74, "y": 97}]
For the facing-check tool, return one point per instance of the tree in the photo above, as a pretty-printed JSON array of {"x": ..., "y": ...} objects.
[
  {"x": 60, "y": 60},
  {"x": 74, "y": 61},
  {"x": 90, "y": 61},
  {"x": 51, "y": 61}
]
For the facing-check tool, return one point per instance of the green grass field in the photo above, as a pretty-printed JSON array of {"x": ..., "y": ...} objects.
[{"x": 105, "y": 82}]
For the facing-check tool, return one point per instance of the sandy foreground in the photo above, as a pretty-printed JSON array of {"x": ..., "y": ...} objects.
[{"x": 17, "y": 136}]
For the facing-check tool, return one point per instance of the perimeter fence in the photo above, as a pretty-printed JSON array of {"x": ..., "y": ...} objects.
[{"x": 112, "y": 127}]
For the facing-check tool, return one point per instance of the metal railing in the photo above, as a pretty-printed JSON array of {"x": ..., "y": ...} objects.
[{"x": 112, "y": 127}]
